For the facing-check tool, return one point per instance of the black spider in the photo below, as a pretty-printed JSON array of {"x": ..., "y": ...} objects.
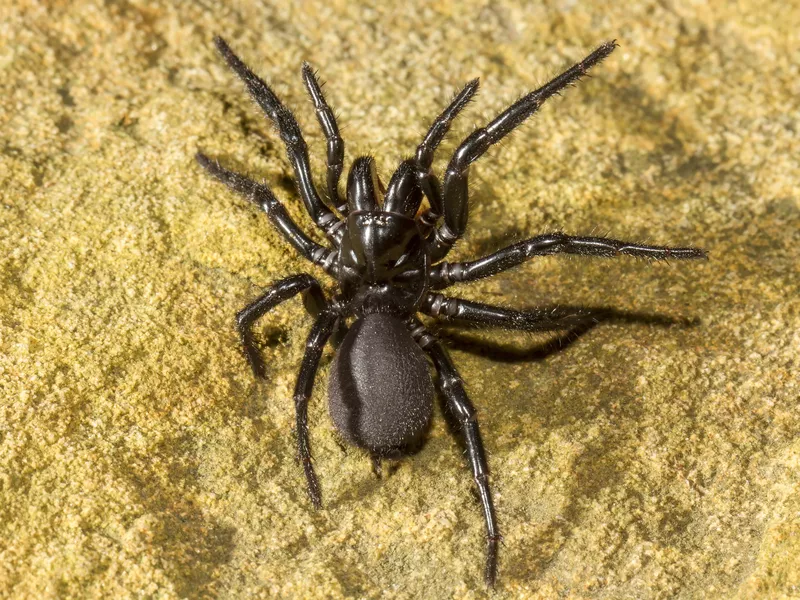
[{"x": 387, "y": 256}]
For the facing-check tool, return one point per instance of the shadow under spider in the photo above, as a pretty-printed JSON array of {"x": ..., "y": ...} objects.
[{"x": 463, "y": 339}]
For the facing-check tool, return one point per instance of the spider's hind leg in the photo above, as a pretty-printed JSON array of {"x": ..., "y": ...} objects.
[
  {"x": 452, "y": 389},
  {"x": 322, "y": 330}
]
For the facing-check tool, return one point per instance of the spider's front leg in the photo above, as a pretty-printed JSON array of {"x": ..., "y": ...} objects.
[
  {"x": 327, "y": 121},
  {"x": 292, "y": 137},
  {"x": 456, "y": 179},
  {"x": 278, "y": 293},
  {"x": 452, "y": 389},
  {"x": 427, "y": 148},
  {"x": 445, "y": 274}
]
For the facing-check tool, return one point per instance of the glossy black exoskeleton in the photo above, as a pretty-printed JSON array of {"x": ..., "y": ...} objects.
[
  {"x": 387, "y": 256},
  {"x": 380, "y": 390}
]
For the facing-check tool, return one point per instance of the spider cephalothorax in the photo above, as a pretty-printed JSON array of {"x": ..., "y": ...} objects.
[{"x": 387, "y": 255}]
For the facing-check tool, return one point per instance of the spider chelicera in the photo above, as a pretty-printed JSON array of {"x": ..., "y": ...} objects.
[{"x": 387, "y": 256}]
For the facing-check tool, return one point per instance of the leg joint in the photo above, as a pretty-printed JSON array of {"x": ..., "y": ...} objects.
[
  {"x": 437, "y": 304},
  {"x": 445, "y": 236}
]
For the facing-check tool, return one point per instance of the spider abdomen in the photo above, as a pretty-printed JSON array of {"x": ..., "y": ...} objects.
[{"x": 380, "y": 391}]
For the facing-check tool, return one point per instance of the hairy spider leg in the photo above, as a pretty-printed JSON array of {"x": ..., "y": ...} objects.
[
  {"x": 458, "y": 310},
  {"x": 260, "y": 195},
  {"x": 292, "y": 137},
  {"x": 335, "y": 143},
  {"x": 274, "y": 295},
  {"x": 445, "y": 274},
  {"x": 456, "y": 178},
  {"x": 427, "y": 148},
  {"x": 452, "y": 389},
  {"x": 322, "y": 330}
]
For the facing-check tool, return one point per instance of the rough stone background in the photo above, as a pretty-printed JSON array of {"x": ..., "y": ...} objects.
[{"x": 138, "y": 457}]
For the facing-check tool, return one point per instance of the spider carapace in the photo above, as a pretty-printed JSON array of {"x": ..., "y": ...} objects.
[{"x": 387, "y": 257}]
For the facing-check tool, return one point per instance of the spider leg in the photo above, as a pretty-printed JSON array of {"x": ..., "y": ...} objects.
[
  {"x": 452, "y": 389},
  {"x": 292, "y": 137},
  {"x": 456, "y": 179},
  {"x": 377, "y": 467},
  {"x": 260, "y": 195},
  {"x": 322, "y": 330},
  {"x": 327, "y": 121},
  {"x": 277, "y": 293},
  {"x": 458, "y": 310},
  {"x": 425, "y": 151},
  {"x": 445, "y": 274}
]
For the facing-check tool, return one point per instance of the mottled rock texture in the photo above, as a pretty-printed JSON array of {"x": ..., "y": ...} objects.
[{"x": 139, "y": 458}]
